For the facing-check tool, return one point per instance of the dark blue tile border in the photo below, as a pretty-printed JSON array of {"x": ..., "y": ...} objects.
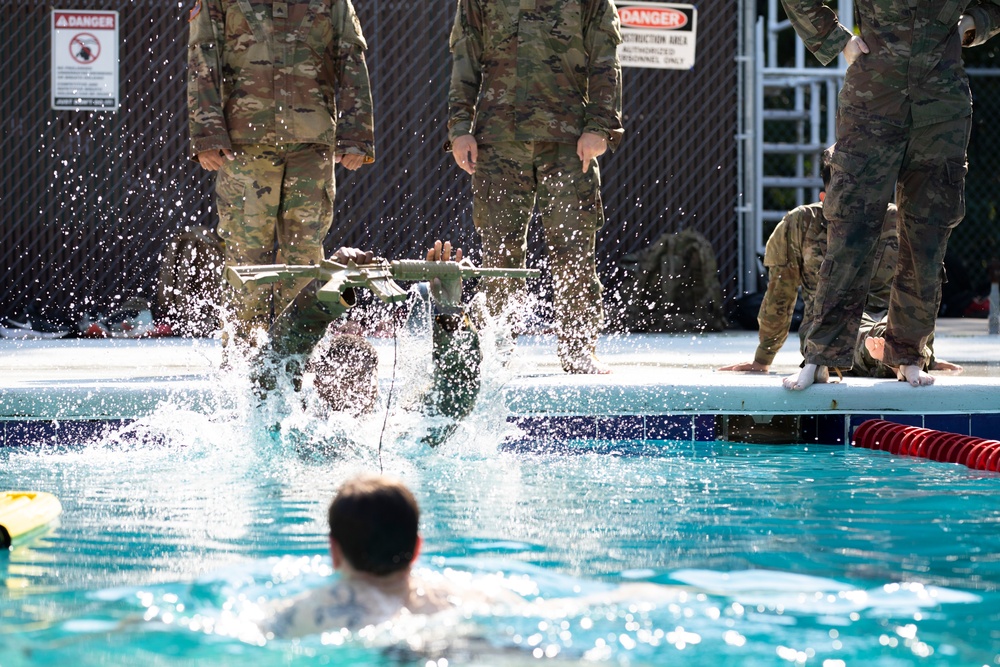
[
  {"x": 822, "y": 429},
  {"x": 985, "y": 426},
  {"x": 625, "y": 434},
  {"x": 704, "y": 427},
  {"x": 950, "y": 423},
  {"x": 51, "y": 433},
  {"x": 669, "y": 427},
  {"x": 627, "y": 427}
]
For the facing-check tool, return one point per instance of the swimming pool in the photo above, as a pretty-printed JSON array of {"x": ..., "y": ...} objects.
[{"x": 178, "y": 526}]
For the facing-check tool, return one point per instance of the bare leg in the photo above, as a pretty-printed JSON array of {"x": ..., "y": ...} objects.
[
  {"x": 810, "y": 373},
  {"x": 915, "y": 376}
]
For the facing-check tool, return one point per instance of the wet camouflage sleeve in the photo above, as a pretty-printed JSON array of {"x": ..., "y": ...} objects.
[
  {"x": 783, "y": 259},
  {"x": 457, "y": 359},
  {"x": 296, "y": 331},
  {"x": 206, "y": 122}
]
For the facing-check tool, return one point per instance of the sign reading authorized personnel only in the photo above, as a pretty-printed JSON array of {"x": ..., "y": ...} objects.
[
  {"x": 657, "y": 35},
  {"x": 84, "y": 59}
]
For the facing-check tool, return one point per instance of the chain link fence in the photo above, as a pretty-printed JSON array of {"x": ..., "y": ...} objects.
[{"x": 88, "y": 199}]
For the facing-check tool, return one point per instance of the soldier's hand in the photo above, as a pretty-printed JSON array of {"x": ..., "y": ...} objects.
[
  {"x": 351, "y": 161},
  {"x": 212, "y": 159},
  {"x": 466, "y": 152},
  {"x": 345, "y": 255},
  {"x": 748, "y": 366},
  {"x": 446, "y": 292},
  {"x": 590, "y": 146},
  {"x": 854, "y": 49}
]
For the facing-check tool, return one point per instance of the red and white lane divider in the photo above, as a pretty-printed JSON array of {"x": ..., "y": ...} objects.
[{"x": 977, "y": 453}]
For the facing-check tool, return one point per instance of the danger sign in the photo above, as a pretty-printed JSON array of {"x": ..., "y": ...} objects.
[
  {"x": 657, "y": 35},
  {"x": 84, "y": 59}
]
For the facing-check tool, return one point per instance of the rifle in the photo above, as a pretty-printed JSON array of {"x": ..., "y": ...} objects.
[{"x": 380, "y": 276}]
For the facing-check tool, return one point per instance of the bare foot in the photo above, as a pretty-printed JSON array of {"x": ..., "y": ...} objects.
[
  {"x": 876, "y": 347},
  {"x": 810, "y": 373},
  {"x": 915, "y": 376},
  {"x": 942, "y": 366}
]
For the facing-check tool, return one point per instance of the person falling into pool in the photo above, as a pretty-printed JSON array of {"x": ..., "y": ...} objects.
[
  {"x": 345, "y": 367},
  {"x": 374, "y": 541}
]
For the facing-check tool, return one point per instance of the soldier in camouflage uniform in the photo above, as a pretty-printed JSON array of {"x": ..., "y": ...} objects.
[
  {"x": 346, "y": 366},
  {"x": 535, "y": 99},
  {"x": 793, "y": 256},
  {"x": 903, "y": 122},
  {"x": 278, "y": 92}
]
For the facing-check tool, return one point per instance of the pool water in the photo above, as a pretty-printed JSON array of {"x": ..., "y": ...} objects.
[{"x": 177, "y": 529}]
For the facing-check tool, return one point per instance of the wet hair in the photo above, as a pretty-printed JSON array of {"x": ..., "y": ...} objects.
[
  {"x": 825, "y": 170},
  {"x": 374, "y": 520},
  {"x": 346, "y": 374}
]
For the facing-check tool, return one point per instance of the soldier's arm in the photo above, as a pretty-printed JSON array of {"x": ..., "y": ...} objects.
[
  {"x": 457, "y": 356},
  {"x": 355, "y": 122},
  {"x": 783, "y": 258},
  {"x": 985, "y": 15},
  {"x": 206, "y": 41},
  {"x": 601, "y": 37},
  {"x": 818, "y": 27},
  {"x": 295, "y": 332},
  {"x": 466, "y": 44}
]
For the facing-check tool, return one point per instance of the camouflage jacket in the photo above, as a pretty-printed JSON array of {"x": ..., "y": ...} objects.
[
  {"x": 793, "y": 256},
  {"x": 914, "y": 71},
  {"x": 263, "y": 72},
  {"x": 456, "y": 355},
  {"x": 535, "y": 70}
]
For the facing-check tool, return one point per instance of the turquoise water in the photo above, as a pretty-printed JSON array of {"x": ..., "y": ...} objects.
[{"x": 177, "y": 529}]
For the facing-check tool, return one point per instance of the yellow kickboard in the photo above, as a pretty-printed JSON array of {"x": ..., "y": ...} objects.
[{"x": 23, "y": 511}]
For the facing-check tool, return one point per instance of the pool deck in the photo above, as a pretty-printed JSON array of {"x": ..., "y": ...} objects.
[{"x": 664, "y": 386}]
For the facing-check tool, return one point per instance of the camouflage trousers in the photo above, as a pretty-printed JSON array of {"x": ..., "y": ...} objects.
[
  {"x": 511, "y": 179},
  {"x": 275, "y": 206},
  {"x": 926, "y": 168},
  {"x": 867, "y": 366}
]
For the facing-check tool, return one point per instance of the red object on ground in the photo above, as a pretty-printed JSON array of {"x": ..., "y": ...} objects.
[
  {"x": 95, "y": 330},
  {"x": 903, "y": 440}
]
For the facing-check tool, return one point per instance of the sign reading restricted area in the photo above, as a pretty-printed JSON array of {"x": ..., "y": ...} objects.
[
  {"x": 657, "y": 35},
  {"x": 84, "y": 59}
]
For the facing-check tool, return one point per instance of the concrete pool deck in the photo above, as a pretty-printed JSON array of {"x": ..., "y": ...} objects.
[{"x": 664, "y": 386}]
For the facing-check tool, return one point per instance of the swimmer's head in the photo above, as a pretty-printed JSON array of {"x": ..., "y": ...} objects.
[
  {"x": 373, "y": 525},
  {"x": 346, "y": 374}
]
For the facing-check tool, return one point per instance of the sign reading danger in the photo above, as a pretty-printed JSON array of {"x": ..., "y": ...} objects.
[
  {"x": 657, "y": 35},
  {"x": 84, "y": 59}
]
